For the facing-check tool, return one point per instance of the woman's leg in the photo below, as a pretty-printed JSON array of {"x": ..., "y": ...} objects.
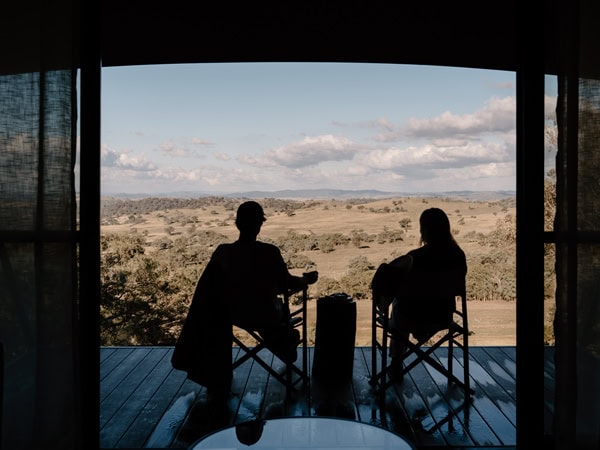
[{"x": 399, "y": 325}]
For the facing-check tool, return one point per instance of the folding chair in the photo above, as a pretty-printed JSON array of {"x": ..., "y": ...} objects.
[
  {"x": 293, "y": 374},
  {"x": 421, "y": 287}
]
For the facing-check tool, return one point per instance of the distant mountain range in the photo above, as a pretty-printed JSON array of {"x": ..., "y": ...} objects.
[{"x": 342, "y": 194}]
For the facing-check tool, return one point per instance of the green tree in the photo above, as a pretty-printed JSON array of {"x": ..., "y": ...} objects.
[{"x": 143, "y": 300}]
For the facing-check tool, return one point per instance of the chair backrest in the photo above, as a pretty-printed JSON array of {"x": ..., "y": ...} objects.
[
  {"x": 432, "y": 284},
  {"x": 433, "y": 292}
]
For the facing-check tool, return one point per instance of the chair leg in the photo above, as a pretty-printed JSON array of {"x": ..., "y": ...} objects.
[
  {"x": 287, "y": 377},
  {"x": 466, "y": 377},
  {"x": 373, "y": 341},
  {"x": 450, "y": 358},
  {"x": 304, "y": 338},
  {"x": 383, "y": 382},
  {"x": 379, "y": 377}
]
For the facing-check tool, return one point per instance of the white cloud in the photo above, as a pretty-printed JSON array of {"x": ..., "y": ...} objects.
[
  {"x": 310, "y": 151},
  {"x": 550, "y": 107},
  {"x": 200, "y": 141},
  {"x": 170, "y": 149},
  {"x": 452, "y": 154},
  {"x": 490, "y": 176},
  {"x": 380, "y": 123},
  {"x": 221, "y": 156},
  {"x": 182, "y": 151},
  {"x": 508, "y": 85},
  {"x": 124, "y": 160},
  {"x": 498, "y": 116},
  {"x": 446, "y": 152}
]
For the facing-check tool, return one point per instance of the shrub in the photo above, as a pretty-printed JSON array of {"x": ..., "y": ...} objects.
[
  {"x": 357, "y": 284},
  {"x": 360, "y": 264},
  {"x": 326, "y": 286},
  {"x": 492, "y": 277},
  {"x": 297, "y": 261}
]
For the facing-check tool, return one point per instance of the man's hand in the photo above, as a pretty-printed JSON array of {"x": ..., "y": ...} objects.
[{"x": 310, "y": 277}]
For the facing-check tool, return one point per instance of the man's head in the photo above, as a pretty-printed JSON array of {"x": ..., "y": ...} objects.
[{"x": 250, "y": 217}]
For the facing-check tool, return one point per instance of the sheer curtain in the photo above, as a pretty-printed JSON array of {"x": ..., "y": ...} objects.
[
  {"x": 577, "y": 227},
  {"x": 38, "y": 261}
]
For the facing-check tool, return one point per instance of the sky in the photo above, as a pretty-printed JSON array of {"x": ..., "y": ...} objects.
[{"x": 237, "y": 127}]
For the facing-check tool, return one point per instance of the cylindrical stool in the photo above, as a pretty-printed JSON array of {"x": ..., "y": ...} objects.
[{"x": 334, "y": 338}]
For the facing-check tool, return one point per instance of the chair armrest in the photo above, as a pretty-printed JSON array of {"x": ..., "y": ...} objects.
[{"x": 295, "y": 290}]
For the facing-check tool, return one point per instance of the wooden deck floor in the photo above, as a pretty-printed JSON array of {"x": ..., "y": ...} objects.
[{"x": 147, "y": 404}]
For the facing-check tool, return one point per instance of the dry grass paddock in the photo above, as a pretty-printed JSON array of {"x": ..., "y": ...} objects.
[{"x": 492, "y": 322}]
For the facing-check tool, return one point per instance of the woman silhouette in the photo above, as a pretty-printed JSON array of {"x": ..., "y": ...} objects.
[{"x": 438, "y": 252}]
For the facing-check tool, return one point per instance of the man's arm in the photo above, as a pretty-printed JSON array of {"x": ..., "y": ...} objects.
[{"x": 296, "y": 283}]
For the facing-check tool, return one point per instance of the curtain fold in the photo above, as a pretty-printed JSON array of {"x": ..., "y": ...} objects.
[
  {"x": 38, "y": 277},
  {"x": 577, "y": 225}
]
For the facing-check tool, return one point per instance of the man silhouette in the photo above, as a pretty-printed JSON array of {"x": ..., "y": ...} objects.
[{"x": 240, "y": 286}]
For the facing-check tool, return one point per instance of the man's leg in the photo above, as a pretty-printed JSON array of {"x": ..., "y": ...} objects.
[{"x": 282, "y": 339}]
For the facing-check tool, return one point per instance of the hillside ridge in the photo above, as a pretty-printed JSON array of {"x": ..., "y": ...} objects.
[{"x": 325, "y": 193}]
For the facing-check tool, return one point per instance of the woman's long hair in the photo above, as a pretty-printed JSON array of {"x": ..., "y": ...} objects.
[{"x": 435, "y": 227}]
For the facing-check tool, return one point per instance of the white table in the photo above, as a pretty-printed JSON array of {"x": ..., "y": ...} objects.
[{"x": 303, "y": 433}]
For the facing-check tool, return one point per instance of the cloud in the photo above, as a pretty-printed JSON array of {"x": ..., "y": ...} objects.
[
  {"x": 498, "y": 116},
  {"x": 550, "y": 107},
  {"x": 310, "y": 151},
  {"x": 508, "y": 85},
  {"x": 445, "y": 152},
  {"x": 490, "y": 176},
  {"x": 120, "y": 175},
  {"x": 169, "y": 148},
  {"x": 380, "y": 123},
  {"x": 179, "y": 151},
  {"x": 203, "y": 142},
  {"x": 222, "y": 156},
  {"x": 124, "y": 160},
  {"x": 442, "y": 154}
]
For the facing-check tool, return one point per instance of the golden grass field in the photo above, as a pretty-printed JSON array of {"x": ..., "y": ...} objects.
[{"x": 491, "y": 322}]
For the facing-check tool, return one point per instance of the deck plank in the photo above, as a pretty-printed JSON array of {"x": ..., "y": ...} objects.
[
  {"x": 282, "y": 402},
  {"x": 418, "y": 415},
  {"x": 113, "y": 361},
  {"x": 506, "y": 357},
  {"x": 366, "y": 409},
  {"x": 253, "y": 394},
  {"x": 363, "y": 391},
  {"x": 484, "y": 358},
  {"x": 204, "y": 416},
  {"x": 167, "y": 392},
  {"x": 114, "y": 427},
  {"x": 275, "y": 402},
  {"x": 112, "y": 394},
  {"x": 105, "y": 352},
  {"x": 141, "y": 393},
  {"x": 442, "y": 414},
  {"x": 132, "y": 389},
  {"x": 483, "y": 411},
  {"x": 398, "y": 411}
]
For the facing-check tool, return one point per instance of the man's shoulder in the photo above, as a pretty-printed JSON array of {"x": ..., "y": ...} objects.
[{"x": 223, "y": 248}]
